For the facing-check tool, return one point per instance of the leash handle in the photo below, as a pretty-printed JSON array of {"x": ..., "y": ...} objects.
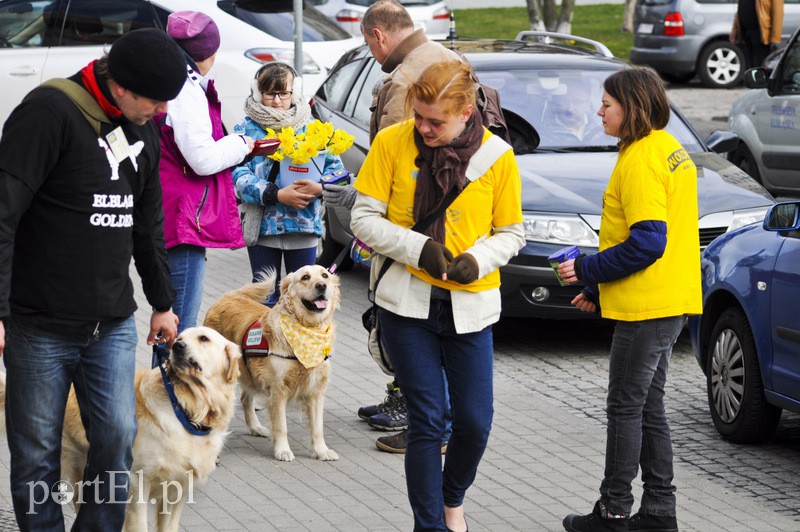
[{"x": 160, "y": 354}]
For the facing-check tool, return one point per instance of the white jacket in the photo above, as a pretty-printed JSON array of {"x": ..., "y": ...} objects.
[{"x": 406, "y": 295}]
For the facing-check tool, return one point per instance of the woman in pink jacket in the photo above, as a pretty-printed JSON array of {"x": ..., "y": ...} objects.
[{"x": 196, "y": 156}]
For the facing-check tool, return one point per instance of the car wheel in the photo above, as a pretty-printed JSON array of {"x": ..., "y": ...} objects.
[
  {"x": 721, "y": 65},
  {"x": 743, "y": 158},
  {"x": 736, "y": 398},
  {"x": 328, "y": 249}
]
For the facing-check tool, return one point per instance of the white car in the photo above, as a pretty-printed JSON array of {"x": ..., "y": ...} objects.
[
  {"x": 767, "y": 121},
  {"x": 430, "y": 15},
  {"x": 44, "y": 39}
]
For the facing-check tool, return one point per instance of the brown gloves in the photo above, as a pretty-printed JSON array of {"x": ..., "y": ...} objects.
[
  {"x": 438, "y": 260},
  {"x": 463, "y": 269},
  {"x": 434, "y": 258}
]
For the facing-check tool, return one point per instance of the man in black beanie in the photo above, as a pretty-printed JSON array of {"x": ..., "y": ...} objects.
[{"x": 79, "y": 197}]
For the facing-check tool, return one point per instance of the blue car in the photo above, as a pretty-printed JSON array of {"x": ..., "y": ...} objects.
[{"x": 748, "y": 339}]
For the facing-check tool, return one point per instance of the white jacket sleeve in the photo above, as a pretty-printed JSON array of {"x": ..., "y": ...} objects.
[
  {"x": 496, "y": 250},
  {"x": 188, "y": 116},
  {"x": 387, "y": 238}
]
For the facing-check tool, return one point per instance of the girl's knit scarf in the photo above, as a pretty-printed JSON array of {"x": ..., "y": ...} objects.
[
  {"x": 296, "y": 116},
  {"x": 441, "y": 169}
]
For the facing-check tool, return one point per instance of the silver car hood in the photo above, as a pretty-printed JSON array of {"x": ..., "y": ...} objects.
[{"x": 574, "y": 183}]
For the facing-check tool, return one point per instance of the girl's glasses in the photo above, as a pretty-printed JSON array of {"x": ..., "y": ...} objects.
[{"x": 283, "y": 95}]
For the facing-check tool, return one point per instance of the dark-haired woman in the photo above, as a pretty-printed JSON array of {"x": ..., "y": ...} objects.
[{"x": 647, "y": 277}]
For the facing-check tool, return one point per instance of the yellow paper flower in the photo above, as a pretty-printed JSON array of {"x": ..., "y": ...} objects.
[{"x": 318, "y": 138}]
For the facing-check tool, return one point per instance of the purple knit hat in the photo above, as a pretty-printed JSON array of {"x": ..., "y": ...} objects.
[{"x": 195, "y": 32}]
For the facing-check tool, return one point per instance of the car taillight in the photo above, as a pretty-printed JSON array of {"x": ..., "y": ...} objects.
[
  {"x": 266, "y": 55},
  {"x": 441, "y": 14},
  {"x": 348, "y": 15},
  {"x": 673, "y": 25}
]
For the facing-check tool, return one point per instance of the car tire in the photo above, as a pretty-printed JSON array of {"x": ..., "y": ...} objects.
[
  {"x": 721, "y": 65},
  {"x": 743, "y": 158},
  {"x": 739, "y": 409},
  {"x": 329, "y": 249}
]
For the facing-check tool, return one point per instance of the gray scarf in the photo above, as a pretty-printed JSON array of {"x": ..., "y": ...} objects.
[{"x": 296, "y": 116}]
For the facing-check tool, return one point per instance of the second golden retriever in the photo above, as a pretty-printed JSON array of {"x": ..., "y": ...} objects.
[{"x": 300, "y": 332}]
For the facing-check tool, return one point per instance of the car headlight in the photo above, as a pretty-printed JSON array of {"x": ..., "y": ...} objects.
[
  {"x": 563, "y": 229},
  {"x": 747, "y": 217}
]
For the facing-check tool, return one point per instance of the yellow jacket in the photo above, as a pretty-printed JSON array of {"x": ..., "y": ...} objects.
[{"x": 770, "y": 18}]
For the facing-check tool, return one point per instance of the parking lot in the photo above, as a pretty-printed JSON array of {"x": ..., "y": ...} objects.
[{"x": 546, "y": 451}]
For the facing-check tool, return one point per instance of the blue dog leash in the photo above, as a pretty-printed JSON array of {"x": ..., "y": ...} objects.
[{"x": 160, "y": 356}]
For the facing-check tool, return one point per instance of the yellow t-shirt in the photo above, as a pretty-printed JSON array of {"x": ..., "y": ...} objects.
[
  {"x": 494, "y": 200},
  {"x": 654, "y": 179}
]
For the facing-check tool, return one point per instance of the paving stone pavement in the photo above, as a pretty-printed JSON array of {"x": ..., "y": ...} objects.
[{"x": 544, "y": 458}]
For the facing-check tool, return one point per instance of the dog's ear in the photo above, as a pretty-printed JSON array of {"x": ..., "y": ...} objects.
[
  {"x": 336, "y": 292},
  {"x": 234, "y": 353},
  {"x": 286, "y": 282}
]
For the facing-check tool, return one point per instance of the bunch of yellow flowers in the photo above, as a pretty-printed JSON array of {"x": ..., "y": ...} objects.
[{"x": 319, "y": 137}]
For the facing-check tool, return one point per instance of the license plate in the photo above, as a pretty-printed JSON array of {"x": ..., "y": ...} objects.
[{"x": 644, "y": 28}]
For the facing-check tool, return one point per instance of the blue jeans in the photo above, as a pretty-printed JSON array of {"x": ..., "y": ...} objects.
[
  {"x": 41, "y": 364},
  {"x": 419, "y": 349},
  {"x": 263, "y": 258},
  {"x": 638, "y": 433},
  {"x": 187, "y": 264}
]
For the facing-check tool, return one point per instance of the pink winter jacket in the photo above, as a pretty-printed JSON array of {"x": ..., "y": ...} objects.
[{"x": 198, "y": 210}]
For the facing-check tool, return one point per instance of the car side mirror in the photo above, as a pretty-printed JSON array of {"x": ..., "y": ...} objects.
[
  {"x": 783, "y": 217},
  {"x": 755, "y": 78},
  {"x": 722, "y": 141}
]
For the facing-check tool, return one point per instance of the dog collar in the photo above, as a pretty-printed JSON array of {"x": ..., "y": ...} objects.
[{"x": 160, "y": 355}]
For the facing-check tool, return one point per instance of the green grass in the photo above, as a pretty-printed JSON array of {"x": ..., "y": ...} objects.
[{"x": 599, "y": 22}]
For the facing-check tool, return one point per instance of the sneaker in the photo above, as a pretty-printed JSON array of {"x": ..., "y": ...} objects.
[
  {"x": 393, "y": 418},
  {"x": 640, "y": 522},
  {"x": 393, "y": 395},
  {"x": 597, "y": 521},
  {"x": 397, "y": 443}
]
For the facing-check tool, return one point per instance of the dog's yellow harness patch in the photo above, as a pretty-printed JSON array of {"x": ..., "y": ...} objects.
[{"x": 311, "y": 345}]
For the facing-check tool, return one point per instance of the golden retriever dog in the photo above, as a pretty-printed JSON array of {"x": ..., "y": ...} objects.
[
  {"x": 300, "y": 333},
  {"x": 203, "y": 368}
]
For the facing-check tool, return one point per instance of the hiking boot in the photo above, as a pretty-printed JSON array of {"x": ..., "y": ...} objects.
[
  {"x": 397, "y": 443},
  {"x": 640, "y": 522},
  {"x": 393, "y": 395},
  {"x": 394, "y": 417},
  {"x": 597, "y": 521}
]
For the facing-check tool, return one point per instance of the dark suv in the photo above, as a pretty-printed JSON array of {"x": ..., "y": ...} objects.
[{"x": 681, "y": 38}]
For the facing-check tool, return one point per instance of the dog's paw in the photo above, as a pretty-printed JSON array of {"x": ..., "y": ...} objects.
[
  {"x": 284, "y": 455},
  {"x": 260, "y": 431},
  {"x": 326, "y": 455}
]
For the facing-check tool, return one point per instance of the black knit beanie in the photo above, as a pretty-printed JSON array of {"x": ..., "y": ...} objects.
[{"x": 149, "y": 63}]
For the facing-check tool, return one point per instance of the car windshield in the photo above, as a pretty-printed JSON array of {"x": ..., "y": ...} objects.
[
  {"x": 276, "y": 18},
  {"x": 562, "y": 105}
]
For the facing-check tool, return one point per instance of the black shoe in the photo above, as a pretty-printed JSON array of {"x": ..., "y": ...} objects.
[
  {"x": 595, "y": 521},
  {"x": 397, "y": 443},
  {"x": 640, "y": 522},
  {"x": 393, "y": 397}
]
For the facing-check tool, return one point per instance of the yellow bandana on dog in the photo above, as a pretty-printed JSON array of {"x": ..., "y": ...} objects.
[{"x": 311, "y": 345}]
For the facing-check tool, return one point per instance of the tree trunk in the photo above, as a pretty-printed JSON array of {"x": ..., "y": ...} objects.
[
  {"x": 535, "y": 15},
  {"x": 550, "y": 15},
  {"x": 627, "y": 16},
  {"x": 565, "y": 19}
]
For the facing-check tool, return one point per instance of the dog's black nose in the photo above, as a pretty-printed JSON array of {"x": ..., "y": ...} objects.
[
  {"x": 321, "y": 287},
  {"x": 178, "y": 347}
]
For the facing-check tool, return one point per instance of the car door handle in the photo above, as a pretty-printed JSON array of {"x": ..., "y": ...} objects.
[{"x": 24, "y": 72}]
